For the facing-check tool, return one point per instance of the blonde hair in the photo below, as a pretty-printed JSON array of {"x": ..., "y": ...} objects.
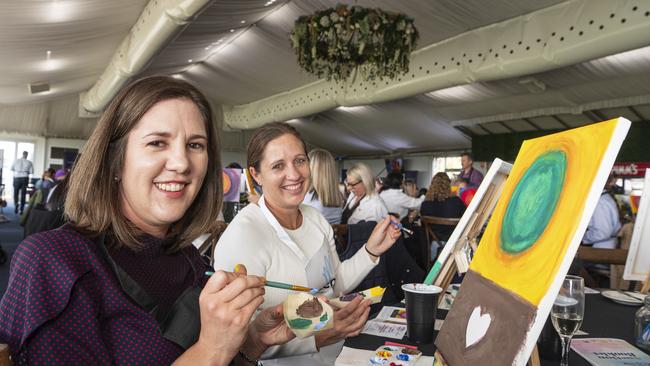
[
  {"x": 361, "y": 172},
  {"x": 440, "y": 188},
  {"x": 323, "y": 178}
]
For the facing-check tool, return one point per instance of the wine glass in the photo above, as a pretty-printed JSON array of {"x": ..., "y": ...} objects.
[{"x": 567, "y": 313}]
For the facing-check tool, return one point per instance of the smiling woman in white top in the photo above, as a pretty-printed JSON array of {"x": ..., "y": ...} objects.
[
  {"x": 285, "y": 240},
  {"x": 363, "y": 204}
]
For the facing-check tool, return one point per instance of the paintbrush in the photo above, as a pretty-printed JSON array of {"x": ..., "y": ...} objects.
[
  {"x": 400, "y": 227},
  {"x": 282, "y": 285}
]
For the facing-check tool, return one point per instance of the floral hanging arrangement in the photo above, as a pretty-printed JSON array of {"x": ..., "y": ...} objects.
[{"x": 332, "y": 43}]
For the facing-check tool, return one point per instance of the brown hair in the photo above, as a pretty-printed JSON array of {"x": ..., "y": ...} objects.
[
  {"x": 262, "y": 136},
  {"x": 93, "y": 203},
  {"x": 440, "y": 188}
]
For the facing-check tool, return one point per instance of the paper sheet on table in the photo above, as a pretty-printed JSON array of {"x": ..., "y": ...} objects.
[
  {"x": 392, "y": 314},
  {"x": 355, "y": 357},
  {"x": 589, "y": 291},
  {"x": 384, "y": 329}
]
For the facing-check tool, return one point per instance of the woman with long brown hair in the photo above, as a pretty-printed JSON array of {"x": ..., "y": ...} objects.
[{"x": 122, "y": 283}]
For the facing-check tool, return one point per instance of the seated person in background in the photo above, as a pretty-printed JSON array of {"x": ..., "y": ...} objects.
[
  {"x": 324, "y": 193},
  {"x": 122, "y": 284},
  {"x": 285, "y": 240},
  {"x": 47, "y": 180},
  {"x": 440, "y": 202},
  {"x": 604, "y": 224},
  {"x": 363, "y": 204},
  {"x": 473, "y": 176},
  {"x": 399, "y": 202}
]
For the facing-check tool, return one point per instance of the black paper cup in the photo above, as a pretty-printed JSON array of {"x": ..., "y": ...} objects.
[{"x": 421, "y": 306}]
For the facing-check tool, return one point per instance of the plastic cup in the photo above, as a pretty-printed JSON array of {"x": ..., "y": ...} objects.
[{"x": 421, "y": 306}]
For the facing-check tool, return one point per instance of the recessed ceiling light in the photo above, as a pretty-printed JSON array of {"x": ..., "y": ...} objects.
[
  {"x": 232, "y": 31},
  {"x": 207, "y": 48},
  {"x": 243, "y": 21},
  {"x": 190, "y": 60},
  {"x": 48, "y": 54}
]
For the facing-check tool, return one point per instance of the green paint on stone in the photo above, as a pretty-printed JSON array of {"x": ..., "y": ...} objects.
[
  {"x": 324, "y": 317},
  {"x": 299, "y": 323},
  {"x": 533, "y": 202}
]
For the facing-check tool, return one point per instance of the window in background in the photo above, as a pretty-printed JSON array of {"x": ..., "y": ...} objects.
[{"x": 448, "y": 164}]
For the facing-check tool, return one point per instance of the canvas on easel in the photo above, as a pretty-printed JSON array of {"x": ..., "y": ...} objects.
[
  {"x": 454, "y": 258},
  {"x": 527, "y": 248},
  {"x": 637, "y": 265}
]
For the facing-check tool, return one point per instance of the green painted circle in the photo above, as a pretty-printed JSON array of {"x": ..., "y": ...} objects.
[{"x": 533, "y": 202}]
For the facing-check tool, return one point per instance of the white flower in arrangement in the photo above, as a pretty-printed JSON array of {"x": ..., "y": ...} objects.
[
  {"x": 325, "y": 21},
  {"x": 334, "y": 16}
]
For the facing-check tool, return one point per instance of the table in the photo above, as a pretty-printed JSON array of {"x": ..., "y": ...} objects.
[{"x": 603, "y": 319}]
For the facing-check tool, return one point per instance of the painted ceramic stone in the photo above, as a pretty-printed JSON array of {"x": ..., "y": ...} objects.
[
  {"x": 306, "y": 314},
  {"x": 374, "y": 294}
]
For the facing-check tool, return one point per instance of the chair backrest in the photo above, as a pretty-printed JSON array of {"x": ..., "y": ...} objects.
[
  {"x": 4, "y": 355},
  {"x": 340, "y": 237},
  {"x": 602, "y": 256},
  {"x": 427, "y": 224},
  {"x": 207, "y": 247}
]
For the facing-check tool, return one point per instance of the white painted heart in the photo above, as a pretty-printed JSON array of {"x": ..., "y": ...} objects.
[{"x": 477, "y": 326}]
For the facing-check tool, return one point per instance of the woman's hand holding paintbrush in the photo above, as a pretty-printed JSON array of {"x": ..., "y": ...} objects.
[
  {"x": 268, "y": 328},
  {"x": 383, "y": 237},
  {"x": 282, "y": 285}
]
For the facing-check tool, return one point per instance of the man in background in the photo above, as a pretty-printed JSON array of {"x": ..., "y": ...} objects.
[
  {"x": 22, "y": 169},
  {"x": 473, "y": 176}
]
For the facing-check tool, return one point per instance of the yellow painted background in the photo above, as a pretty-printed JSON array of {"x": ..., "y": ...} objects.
[{"x": 530, "y": 273}]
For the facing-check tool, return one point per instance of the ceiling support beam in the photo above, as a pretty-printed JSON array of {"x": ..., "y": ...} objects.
[
  {"x": 636, "y": 113},
  {"x": 554, "y": 37},
  {"x": 560, "y": 121},
  {"x": 157, "y": 25}
]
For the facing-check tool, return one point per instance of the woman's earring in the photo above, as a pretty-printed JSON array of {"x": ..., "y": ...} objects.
[{"x": 116, "y": 179}]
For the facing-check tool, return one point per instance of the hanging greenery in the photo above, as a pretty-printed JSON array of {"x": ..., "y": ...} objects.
[{"x": 332, "y": 43}]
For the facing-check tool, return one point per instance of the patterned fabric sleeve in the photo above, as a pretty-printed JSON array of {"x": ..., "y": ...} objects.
[
  {"x": 72, "y": 338},
  {"x": 41, "y": 287}
]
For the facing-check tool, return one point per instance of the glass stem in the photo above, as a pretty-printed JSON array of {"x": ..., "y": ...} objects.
[{"x": 566, "y": 342}]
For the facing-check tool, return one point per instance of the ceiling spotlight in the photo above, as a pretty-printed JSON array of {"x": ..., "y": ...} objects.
[
  {"x": 48, "y": 54},
  {"x": 207, "y": 48},
  {"x": 232, "y": 31},
  {"x": 243, "y": 21},
  {"x": 190, "y": 60}
]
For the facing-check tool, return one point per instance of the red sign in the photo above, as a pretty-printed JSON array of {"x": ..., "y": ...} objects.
[{"x": 631, "y": 169}]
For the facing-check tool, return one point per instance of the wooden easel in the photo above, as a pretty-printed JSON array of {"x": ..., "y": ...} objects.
[
  {"x": 646, "y": 285},
  {"x": 457, "y": 261}
]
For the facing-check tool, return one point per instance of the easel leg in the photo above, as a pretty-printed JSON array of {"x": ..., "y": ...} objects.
[{"x": 646, "y": 285}]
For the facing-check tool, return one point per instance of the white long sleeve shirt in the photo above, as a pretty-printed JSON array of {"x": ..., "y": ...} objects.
[
  {"x": 371, "y": 208},
  {"x": 306, "y": 256},
  {"x": 399, "y": 202}
]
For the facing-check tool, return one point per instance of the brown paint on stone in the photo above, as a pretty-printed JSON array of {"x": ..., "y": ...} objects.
[
  {"x": 511, "y": 315},
  {"x": 310, "y": 309}
]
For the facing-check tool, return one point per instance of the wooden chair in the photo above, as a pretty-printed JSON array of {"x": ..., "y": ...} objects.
[
  {"x": 427, "y": 224},
  {"x": 600, "y": 256},
  {"x": 340, "y": 237},
  {"x": 5, "y": 360},
  {"x": 207, "y": 247}
]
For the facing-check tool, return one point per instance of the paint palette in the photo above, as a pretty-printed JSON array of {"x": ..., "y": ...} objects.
[
  {"x": 306, "y": 314},
  {"x": 373, "y": 294},
  {"x": 395, "y": 356}
]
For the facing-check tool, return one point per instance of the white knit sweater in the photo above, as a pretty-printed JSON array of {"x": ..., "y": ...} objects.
[{"x": 252, "y": 240}]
